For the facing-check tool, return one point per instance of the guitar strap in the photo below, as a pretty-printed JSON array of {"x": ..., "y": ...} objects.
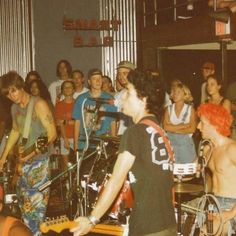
[
  {"x": 28, "y": 121},
  {"x": 162, "y": 134}
]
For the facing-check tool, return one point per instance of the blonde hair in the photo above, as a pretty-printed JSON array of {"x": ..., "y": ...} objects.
[{"x": 188, "y": 98}]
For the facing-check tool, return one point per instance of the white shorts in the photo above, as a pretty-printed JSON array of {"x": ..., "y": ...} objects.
[{"x": 65, "y": 151}]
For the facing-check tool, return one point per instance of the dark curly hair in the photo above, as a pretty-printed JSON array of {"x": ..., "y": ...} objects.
[
  {"x": 34, "y": 73},
  {"x": 43, "y": 91},
  {"x": 151, "y": 86}
]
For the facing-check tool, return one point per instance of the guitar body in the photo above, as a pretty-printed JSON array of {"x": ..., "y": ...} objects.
[{"x": 41, "y": 145}]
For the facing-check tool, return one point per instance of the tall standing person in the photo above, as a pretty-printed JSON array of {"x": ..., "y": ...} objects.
[
  {"x": 145, "y": 150},
  {"x": 34, "y": 163},
  {"x": 123, "y": 69},
  {"x": 64, "y": 72}
]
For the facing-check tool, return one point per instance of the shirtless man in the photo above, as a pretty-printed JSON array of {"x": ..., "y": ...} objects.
[{"x": 215, "y": 122}]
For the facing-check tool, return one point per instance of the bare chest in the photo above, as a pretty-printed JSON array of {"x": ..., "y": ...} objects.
[{"x": 220, "y": 163}]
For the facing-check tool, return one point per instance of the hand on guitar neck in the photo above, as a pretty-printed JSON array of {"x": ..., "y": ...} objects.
[
  {"x": 62, "y": 223},
  {"x": 25, "y": 155}
]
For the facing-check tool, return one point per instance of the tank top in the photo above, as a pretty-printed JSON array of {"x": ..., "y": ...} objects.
[
  {"x": 36, "y": 127},
  {"x": 184, "y": 116}
]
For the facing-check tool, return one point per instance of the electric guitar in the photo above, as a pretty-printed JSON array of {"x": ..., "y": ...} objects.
[
  {"x": 41, "y": 145},
  {"x": 61, "y": 223}
]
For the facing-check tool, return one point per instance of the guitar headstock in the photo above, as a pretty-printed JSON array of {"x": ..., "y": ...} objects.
[{"x": 57, "y": 225}]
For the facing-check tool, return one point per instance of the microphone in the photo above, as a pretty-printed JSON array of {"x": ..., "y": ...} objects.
[
  {"x": 200, "y": 157},
  {"x": 103, "y": 101}
]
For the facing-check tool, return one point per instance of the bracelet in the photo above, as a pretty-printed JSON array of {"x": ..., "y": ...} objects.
[{"x": 93, "y": 220}]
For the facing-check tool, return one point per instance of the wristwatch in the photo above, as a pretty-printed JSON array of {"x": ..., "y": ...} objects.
[{"x": 93, "y": 220}]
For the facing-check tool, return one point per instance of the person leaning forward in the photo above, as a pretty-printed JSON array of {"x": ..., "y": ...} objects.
[{"x": 35, "y": 165}]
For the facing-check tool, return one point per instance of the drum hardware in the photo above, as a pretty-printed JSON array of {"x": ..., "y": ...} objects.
[
  {"x": 181, "y": 187},
  {"x": 182, "y": 170}
]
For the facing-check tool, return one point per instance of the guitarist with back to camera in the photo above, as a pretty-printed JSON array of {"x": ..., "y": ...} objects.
[{"x": 28, "y": 127}]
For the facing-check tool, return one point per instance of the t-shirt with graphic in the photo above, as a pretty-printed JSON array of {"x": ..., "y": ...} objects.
[
  {"x": 153, "y": 209},
  {"x": 97, "y": 116}
]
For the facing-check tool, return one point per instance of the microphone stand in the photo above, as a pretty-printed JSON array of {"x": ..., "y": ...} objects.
[
  {"x": 49, "y": 182},
  {"x": 83, "y": 196}
]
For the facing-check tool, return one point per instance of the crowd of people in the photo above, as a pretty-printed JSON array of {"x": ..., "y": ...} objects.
[{"x": 156, "y": 129}]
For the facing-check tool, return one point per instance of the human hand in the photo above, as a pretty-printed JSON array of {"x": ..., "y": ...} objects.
[{"x": 83, "y": 227}]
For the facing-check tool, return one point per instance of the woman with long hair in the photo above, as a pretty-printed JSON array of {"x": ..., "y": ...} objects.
[{"x": 180, "y": 123}]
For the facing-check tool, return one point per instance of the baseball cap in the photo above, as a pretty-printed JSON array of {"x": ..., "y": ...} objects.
[
  {"x": 208, "y": 65},
  {"x": 94, "y": 72},
  {"x": 126, "y": 64}
]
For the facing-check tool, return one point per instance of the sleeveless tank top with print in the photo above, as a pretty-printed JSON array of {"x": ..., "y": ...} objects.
[{"x": 36, "y": 127}]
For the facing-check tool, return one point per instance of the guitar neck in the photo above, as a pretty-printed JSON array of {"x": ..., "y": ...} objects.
[{"x": 99, "y": 228}]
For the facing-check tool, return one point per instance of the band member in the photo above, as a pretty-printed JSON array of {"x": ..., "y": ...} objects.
[
  {"x": 146, "y": 151},
  {"x": 34, "y": 165},
  {"x": 215, "y": 122},
  {"x": 10, "y": 226}
]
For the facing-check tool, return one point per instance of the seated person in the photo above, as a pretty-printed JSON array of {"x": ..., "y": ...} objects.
[{"x": 10, "y": 226}]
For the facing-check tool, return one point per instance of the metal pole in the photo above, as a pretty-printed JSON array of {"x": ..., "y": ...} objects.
[
  {"x": 175, "y": 10},
  {"x": 224, "y": 62}
]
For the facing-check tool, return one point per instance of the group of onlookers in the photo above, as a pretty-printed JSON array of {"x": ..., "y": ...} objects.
[
  {"x": 72, "y": 99},
  {"x": 180, "y": 119}
]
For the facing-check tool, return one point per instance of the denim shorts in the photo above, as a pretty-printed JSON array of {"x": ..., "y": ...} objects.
[
  {"x": 226, "y": 204},
  {"x": 65, "y": 151},
  {"x": 184, "y": 147}
]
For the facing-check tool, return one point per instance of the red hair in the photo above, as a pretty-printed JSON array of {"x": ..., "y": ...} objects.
[{"x": 218, "y": 116}]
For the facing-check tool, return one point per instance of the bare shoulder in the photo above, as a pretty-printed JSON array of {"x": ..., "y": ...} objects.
[
  {"x": 40, "y": 103},
  {"x": 227, "y": 104},
  {"x": 20, "y": 229},
  {"x": 231, "y": 150}
]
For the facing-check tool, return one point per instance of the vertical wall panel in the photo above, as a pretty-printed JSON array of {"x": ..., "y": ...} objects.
[
  {"x": 15, "y": 36},
  {"x": 124, "y": 47}
]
